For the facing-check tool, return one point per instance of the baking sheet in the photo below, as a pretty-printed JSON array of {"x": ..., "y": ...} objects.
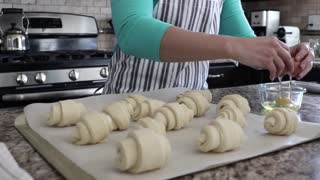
[{"x": 97, "y": 160}]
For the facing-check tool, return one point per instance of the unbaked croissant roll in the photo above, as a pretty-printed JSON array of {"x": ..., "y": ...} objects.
[
  {"x": 281, "y": 121},
  {"x": 220, "y": 136},
  {"x": 174, "y": 116},
  {"x": 65, "y": 113},
  {"x": 93, "y": 128},
  {"x": 128, "y": 106},
  {"x": 119, "y": 114},
  {"x": 206, "y": 93},
  {"x": 153, "y": 124},
  {"x": 234, "y": 100},
  {"x": 147, "y": 108},
  {"x": 195, "y": 101},
  {"x": 234, "y": 114},
  {"x": 143, "y": 150},
  {"x": 132, "y": 102}
]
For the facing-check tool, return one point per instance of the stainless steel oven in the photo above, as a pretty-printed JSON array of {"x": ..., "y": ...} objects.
[{"x": 62, "y": 60}]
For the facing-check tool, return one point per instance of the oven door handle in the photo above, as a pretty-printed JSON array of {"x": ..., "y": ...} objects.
[{"x": 49, "y": 95}]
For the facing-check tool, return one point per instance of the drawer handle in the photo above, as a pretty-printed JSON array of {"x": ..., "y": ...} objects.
[{"x": 215, "y": 75}]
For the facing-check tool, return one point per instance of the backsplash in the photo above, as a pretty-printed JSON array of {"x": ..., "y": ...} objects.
[
  {"x": 293, "y": 12},
  {"x": 100, "y": 9}
]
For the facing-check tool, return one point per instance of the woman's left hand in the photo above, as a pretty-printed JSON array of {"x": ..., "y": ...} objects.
[{"x": 303, "y": 56}]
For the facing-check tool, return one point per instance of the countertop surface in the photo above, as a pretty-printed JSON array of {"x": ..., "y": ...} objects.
[
  {"x": 316, "y": 63},
  {"x": 299, "y": 162}
]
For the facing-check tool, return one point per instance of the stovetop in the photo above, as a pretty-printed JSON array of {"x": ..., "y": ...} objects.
[{"x": 25, "y": 61}]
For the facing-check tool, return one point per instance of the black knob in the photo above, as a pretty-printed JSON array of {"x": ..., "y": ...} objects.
[{"x": 281, "y": 32}]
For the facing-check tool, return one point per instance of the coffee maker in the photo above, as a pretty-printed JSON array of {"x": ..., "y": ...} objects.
[{"x": 265, "y": 22}]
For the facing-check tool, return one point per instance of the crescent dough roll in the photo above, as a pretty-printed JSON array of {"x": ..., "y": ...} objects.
[
  {"x": 234, "y": 114},
  {"x": 128, "y": 106},
  {"x": 119, "y": 115},
  {"x": 195, "y": 101},
  {"x": 220, "y": 136},
  {"x": 65, "y": 113},
  {"x": 206, "y": 93},
  {"x": 93, "y": 128},
  {"x": 153, "y": 124},
  {"x": 147, "y": 108},
  {"x": 132, "y": 102},
  {"x": 281, "y": 121},
  {"x": 174, "y": 116},
  {"x": 143, "y": 150},
  {"x": 234, "y": 100}
]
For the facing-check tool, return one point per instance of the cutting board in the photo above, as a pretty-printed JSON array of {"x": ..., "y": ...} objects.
[{"x": 96, "y": 161}]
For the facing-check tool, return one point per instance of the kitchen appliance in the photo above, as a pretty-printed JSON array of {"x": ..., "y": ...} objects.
[
  {"x": 265, "y": 22},
  {"x": 289, "y": 35},
  {"x": 14, "y": 38},
  {"x": 62, "y": 62}
]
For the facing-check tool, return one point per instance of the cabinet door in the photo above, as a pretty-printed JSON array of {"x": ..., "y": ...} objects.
[
  {"x": 250, "y": 76},
  {"x": 313, "y": 75}
]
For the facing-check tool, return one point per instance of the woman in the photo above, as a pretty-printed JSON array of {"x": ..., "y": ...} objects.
[{"x": 166, "y": 43}]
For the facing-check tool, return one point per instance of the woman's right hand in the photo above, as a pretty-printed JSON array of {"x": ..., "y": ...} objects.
[{"x": 263, "y": 52}]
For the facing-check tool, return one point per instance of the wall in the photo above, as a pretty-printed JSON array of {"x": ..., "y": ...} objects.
[
  {"x": 97, "y": 8},
  {"x": 293, "y": 12}
]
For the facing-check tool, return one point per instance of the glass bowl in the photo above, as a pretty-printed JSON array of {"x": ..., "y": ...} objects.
[{"x": 272, "y": 96}]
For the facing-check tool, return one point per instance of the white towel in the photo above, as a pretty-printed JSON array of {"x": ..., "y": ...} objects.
[{"x": 9, "y": 169}]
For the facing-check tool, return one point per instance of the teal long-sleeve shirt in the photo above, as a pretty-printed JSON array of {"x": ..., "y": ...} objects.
[{"x": 140, "y": 35}]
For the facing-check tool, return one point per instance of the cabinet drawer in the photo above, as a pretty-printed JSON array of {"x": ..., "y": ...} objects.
[{"x": 220, "y": 77}]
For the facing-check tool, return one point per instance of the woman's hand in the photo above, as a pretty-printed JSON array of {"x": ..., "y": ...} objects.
[
  {"x": 303, "y": 57},
  {"x": 264, "y": 52}
]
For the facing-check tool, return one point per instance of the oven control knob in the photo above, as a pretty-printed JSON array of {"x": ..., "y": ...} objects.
[
  {"x": 74, "y": 75},
  {"x": 104, "y": 72},
  {"x": 40, "y": 77},
  {"x": 22, "y": 79}
]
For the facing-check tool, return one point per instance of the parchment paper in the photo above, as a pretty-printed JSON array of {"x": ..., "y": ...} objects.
[{"x": 97, "y": 160}]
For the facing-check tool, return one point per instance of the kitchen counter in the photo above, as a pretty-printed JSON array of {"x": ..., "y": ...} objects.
[
  {"x": 299, "y": 162},
  {"x": 316, "y": 64}
]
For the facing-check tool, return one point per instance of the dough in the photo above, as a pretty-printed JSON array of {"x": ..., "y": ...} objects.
[
  {"x": 153, "y": 124},
  {"x": 195, "y": 101},
  {"x": 234, "y": 100},
  {"x": 234, "y": 114},
  {"x": 281, "y": 121},
  {"x": 132, "y": 101},
  {"x": 143, "y": 150},
  {"x": 220, "y": 136},
  {"x": 93, "y": 128},
  {"x": 206, "y": 93},
  {"x": 128, "y": 106},
  {"x": 65, "y": 113},
  {"x": 119, "y": 115},
  {"x": 174, "y": 116},
  {"x": 147, "y": 108}
]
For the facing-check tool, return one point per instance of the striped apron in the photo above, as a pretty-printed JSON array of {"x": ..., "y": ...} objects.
[{"x": 131, "y": 74}]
